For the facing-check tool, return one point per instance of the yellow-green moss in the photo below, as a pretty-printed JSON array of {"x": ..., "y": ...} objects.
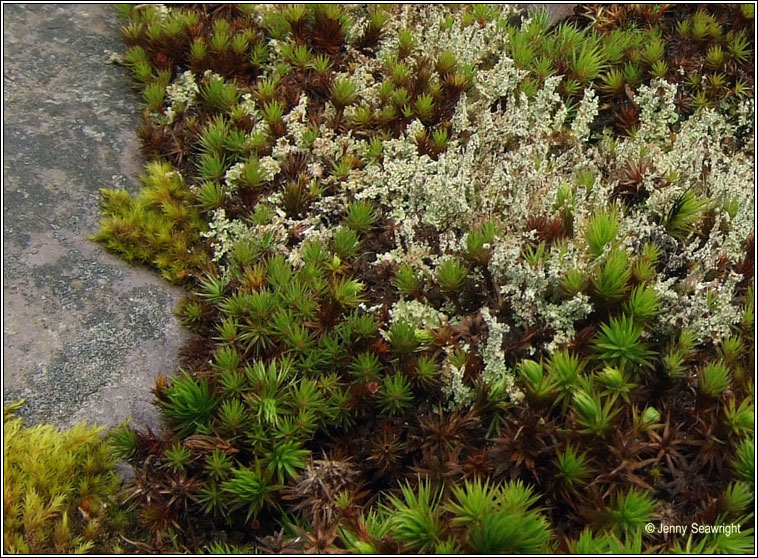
[{"x": 59, "y": 490}]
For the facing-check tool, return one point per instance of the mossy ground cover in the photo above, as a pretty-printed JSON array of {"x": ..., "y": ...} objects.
[
  {"x": 61, "y": 491},
  {"x": 460, "y": 281}
]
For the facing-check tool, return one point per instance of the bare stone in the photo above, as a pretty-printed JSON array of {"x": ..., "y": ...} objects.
[{"x": 83, "y": 332}]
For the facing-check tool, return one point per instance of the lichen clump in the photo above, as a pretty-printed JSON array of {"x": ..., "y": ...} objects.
[{"x": 453, "y": 289}]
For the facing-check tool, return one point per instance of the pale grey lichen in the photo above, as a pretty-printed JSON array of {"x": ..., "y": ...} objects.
[
  {"x": 493, "y": 355},
  {"x": 417, "y": 313},
  {"x": 657, "y": 108},
  {"x": 585, "y": 115},
  {"x": 225, "y": 233},
  {"x": 181, "y": 93},
  {"x": 520, "y": 162},
  {"x": 459, "y": 394}
]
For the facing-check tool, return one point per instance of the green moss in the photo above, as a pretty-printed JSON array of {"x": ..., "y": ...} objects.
[
  {"x": 60, "y": 490},
  {"x": 159, "y": 226},
  {"x": 487, "y": 519},
  {"x": 343, "y": 175}
]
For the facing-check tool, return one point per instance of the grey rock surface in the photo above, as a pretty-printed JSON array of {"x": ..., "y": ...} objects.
[
  {"x": 84, "y": 334},
  {"x": 556, "y": 11}
]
